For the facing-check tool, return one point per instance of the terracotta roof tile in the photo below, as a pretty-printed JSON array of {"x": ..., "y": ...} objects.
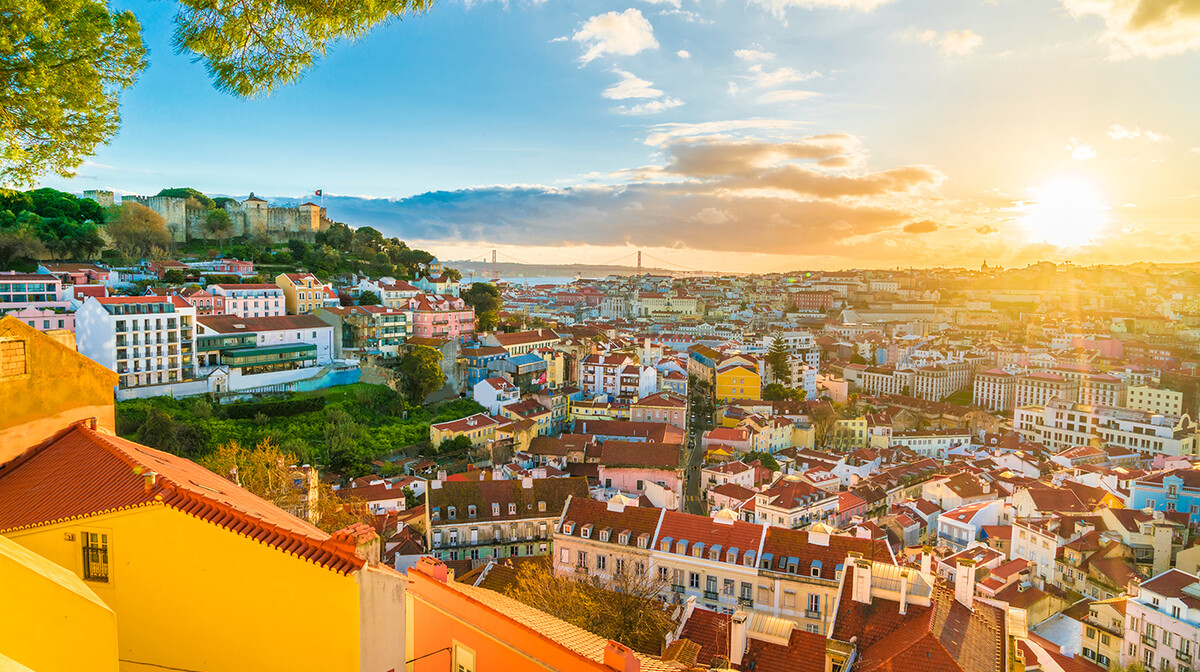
[{"x": 82, "y": 472}]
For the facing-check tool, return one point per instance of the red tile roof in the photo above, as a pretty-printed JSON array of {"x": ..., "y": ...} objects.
[
  {"x": 636, "y": 520},
  {"x": 83, "y": 472},
  {"x": 804, "y": 652},
  {"x": 828, "y": 550},
  {"x": 701, "y": 529},
  {"x": 639, "y": 454}
]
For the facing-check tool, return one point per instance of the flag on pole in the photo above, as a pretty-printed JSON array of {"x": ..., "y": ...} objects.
[{"x": 318, "y": 192}]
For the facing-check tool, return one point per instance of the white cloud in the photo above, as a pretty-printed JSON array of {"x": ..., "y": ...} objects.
[
  {"x": 1194, "y": 150},
  {"x": 1080, "y": 150},
  {"x": 630, "y": 86},
  {"x": 711, "y": 216},
  {"x": 733, "y": 88},
  {"x": 959, "y": 42},
  {"x": 769, "y": 78},
  {"x": 778, "y": 7},
  {"x": 622, "y": 33},
  {"x": 753, "y": 55},
  {"x": 787, "y": 96},
  {"x": 564, "y": 38},
  {"x": 663, "y": 133},
  {"x": 684, "y": 54},
  {"x": 1119, "y": 132},
  {"x": 674, "y": 3},
  {"x": 651, "y": 107},
  {"x": 1150, "y": 28},
  {"x": 950, "y": 43}
]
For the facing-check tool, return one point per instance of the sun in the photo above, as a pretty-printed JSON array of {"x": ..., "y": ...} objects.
[{"x": 1066, "y": 211}]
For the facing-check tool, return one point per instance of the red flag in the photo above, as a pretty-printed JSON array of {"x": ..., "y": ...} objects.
[{"x": 318, "y": 192}]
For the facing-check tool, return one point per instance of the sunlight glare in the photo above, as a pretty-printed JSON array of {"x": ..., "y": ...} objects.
[{"x": 1065, "y": 212}]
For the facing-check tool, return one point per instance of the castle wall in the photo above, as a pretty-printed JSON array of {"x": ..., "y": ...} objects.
[{"x": 278, "y": 224}]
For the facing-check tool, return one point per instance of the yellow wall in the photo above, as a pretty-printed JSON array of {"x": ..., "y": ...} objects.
[
  {"x": 50, "y": 620},
  {"x": 726, "y": 384},
  {"x": 478, "y": 435},
  {"x": 57, "y": 387},
  {"x": 291, "y": 297},
  {"x": 191, "y": 595}
]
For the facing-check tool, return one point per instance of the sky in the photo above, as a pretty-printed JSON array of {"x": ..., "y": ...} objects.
[{"x": 723, "y": 135}]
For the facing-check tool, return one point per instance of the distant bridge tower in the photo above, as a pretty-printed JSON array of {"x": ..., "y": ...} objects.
[
  {"x": 639, "y": 271},
  {"x": 494, "y": 275}
]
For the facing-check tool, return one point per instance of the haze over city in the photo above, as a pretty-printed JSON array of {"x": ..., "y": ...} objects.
[{"x": 790, "y": 133}]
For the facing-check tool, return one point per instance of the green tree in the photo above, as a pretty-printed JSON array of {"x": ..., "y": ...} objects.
[
  {"x": 158, "y": 431},
  {"x": 484, "y": 297},
  {"x": 777, "y": 392},
  {"x": 173, "y": 276},
  {"x": 421, "y": 373},
  {"x": 63, "y": 66},
  {"x": 217, "y": 224},
  {"x": 767, "y": 460},
  {"x": 454, "y": 446},
  {"x": 19, "y": 243},
  {"x": 778, "y": 361},
  {"x": 368, "y": 299},
  {"x": 138, "y": 229},
  {"x": 188, "y": 192}
]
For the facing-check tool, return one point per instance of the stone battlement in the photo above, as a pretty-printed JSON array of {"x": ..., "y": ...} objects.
[{"x": 253, "y": 216}]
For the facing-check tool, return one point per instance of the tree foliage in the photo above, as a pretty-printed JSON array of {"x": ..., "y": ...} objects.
[
  {"x": 421, "y": 373},
  {"x": 47, "y": 223},
  {"x": 777, "y": 392},
  {"x": 137, "y": 230},
  {"x": 63, "y": 66},
  {"x": 626, "y": 608},
  {"x": 484, "y": 297},
  {"x": 778, "y": 361},
  {"x": 767, "y": 460},
  {"x": 368, "y": 299}
]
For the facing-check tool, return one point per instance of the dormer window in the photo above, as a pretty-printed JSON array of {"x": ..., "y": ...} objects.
[
  {"x": 623, "y": 538},
  {"x": 816, "y": 571},
  {"x": 512, "y": 509},
  {"x": 698, "y": 550},
  {"x": 470, "y": 510},
  {"x": 586, "y": 531},
  {"x": 451, "y": 512},
  {"x": 568, "y": 528},
  {"x": 605, "y": 534},
  {"x": 643, "y": 540},
  {"x": 437, "y": 513},
  {"x": 681, "y": 547},
  {"x": 542, "y": 507}
]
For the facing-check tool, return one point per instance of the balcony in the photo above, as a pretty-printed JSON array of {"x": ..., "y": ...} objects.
[
  {"x": 710, "y": 595},
  {"x": 1183, "y": 657},
  {"x": 1149, "y": 641},
  {"x": 813, "y": 614},
  {"x": 676, "y": 588},
  {"x": 745, "y": 602}
]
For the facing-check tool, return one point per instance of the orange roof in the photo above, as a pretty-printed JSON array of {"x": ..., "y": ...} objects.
[{"x": 83, "y": 472}]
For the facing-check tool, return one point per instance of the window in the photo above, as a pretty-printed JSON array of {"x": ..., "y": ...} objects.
[
  {"x": 564, "y": 556},
  {"x": 814, "y": 603},
  {"x": 746, "y": 588},
  {"x": 693, "y": 580},
  {"x": 95, "y": 556},
  {"x": 542, "y": 506},
  {"x": 581, "y": 558},
  {"x": 495, "y": 509},
  {"x": 512, "y": 509},
  {"x": 451, "y": 513},
  {"x": 602, "y": 562},
  {"x": 620, "y": 566},
  {"x": 464, "y": 659},
  {"x": 663, "y": 574},
  {"x": 812, "y": 628},
  {"x": 470, "y": 510}
]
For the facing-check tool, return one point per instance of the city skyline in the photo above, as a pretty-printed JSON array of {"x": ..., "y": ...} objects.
[{"x": 801, "y": 134}]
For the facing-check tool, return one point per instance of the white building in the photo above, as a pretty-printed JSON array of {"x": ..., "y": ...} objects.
[
  {"x": 616, "y": 376},
  {"x": 251, "y": 300},
  {"x": 958, "y": 528},
  {"x": 493, "y": 393},
  {"x": 1154, "y": 400},
  {"x": 1036, "y": 389},
  {"x": 1061, "y": 425},
  {"x": 1163, "y": 622},
  {"x": 995, "y": 390},
  {"x": 935, "y": 443},
  {"x": 145, "y": 339}
]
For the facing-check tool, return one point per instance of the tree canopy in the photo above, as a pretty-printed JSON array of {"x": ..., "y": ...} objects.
[
  {"x": 137, "y": 230},
  {"x": 421, "y": 373},
  {"x": 47, "y": 223},
  {"x": 63, "y": 65},
  {"x": 778, "y": 361},
  {"x": 484, "y": 297},
  {"x": 62, "y": 69}
]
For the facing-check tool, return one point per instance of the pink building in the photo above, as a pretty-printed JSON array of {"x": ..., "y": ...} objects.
[
  {"x": 205, "y": 303},
  {"x": 439, "y": 316},
  {"x": 37, "y": 299},
  {"x": 233, "y": 266}
]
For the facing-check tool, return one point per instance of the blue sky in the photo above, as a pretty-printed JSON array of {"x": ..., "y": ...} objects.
[{"x": 790, "y": 133}]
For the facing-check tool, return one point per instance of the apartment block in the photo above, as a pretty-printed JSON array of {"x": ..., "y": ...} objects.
[{"x": 147, "y": 340}]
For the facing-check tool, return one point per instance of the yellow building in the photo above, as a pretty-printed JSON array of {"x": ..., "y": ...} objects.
[
  {"x": 480, "y": 428},
  {"x": 737, "y": 379},
  {"x": 33, "y": 408},
  {"x": 302, "y": 292},
  {"x": 199, "y": 573},
  {"x": 1104, "y": 631},
  {"x": 50, "y": 619}
]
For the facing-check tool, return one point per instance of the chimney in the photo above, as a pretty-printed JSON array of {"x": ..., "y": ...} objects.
[
  {"x": 620, "y": 657},
  {"x": 149, "y": 479},
  {"x": 903, "y": 592},
  {"x": 441, "y": 474},
  {"x": 861, "y": 589},
  {"x": 964, "y": 582},
  {"x": 737, "y": 637},
  {"x": 926, "y": 560},
  {"x": 527, "y": 483},
  {"x": 92, "y": 423}
]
